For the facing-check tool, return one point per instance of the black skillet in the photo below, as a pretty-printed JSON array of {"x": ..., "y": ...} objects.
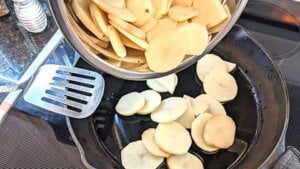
[{"x": 260, "y": 111}]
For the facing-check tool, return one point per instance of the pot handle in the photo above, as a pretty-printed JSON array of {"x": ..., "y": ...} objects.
[{"x": 289, "y": 159}]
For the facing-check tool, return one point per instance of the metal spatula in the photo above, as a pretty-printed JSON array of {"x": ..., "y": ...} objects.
[{"x": 68, "y": 91}]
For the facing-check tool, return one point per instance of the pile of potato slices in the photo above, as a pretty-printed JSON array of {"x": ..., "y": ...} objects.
[
  {"x": 182, "y": 120},
  {"x": 147, "y": 35}
]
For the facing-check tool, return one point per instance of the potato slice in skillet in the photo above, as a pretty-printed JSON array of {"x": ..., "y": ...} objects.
[
  {"x": 220, "y": 85},
  {"x": 153, "y": 100},
  {"x": 163, "y": 25},
  {"x": 151, "y": 145},
  {"x": 116, "y": 42},
  {"x": 135, "y": 156},
  {"x": 182, "y": 3},
  {"x": 197, "y": 131},
  {"x": 150, "y": 24},
  {"x": 214, "y": 106},
  {"x": 181, "y": 13},
  {"x": 219, "y": 131},
  {"x": 185, "y": 161},
  {"x": 160, "y": 8},
  {"x": 169, "y": 82},
  {"x": 130, "y": 104},
  {"x": 198, "y": 106},
  {"x": 128, "y": 43},
  {"x": 188, "y": 117},
  {"x": 169, "y": 110},
  {"x": 173, "y": 138},
  {"x": 99, "y": 18},
  {"x": 116, "y": 3},
  {"x": 230, "y": 66},
  {"x": 155, "y": 85},
  {"x": 122, "y": 13},
  {"x": 221, "y": 25},
  {"x": 143, "y": 9}
]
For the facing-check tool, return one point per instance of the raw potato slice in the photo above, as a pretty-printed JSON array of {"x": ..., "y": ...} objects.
[
  {"x": 150, "y": 143},
  {"x": 116, "y": 3},
  {"x": 122, "y": 13},
  {"x": 214, "y": 106},
  {"x": 185, "y": 161},
  {"x": 221, "y": 85},
  {"x": 143, "y": 9},
  {"x": 169, "y": 82},
  {"x": 161, "y": 8},
  {"x": 166, "y": 51},
  {"x": 163, "y": 25},
  {"x": 211, "y": 12},
  {"x": 230, "y": 66},
  {"x": 99, "y": 17},
  {"x": 188, "y": 117},
  {"x": 135, "y": 156},
  {"x": 116, "y": 42},
  {"x": 153, "y": 100},
  {"x": 130, "y": 103},
  {"x": 128, "y": 27},
  {"x": 198, "y": 106},
  {"x": 129, "y": 43},
  {"x": 173, "y": 138},
  {"x": 149, "y": 25},
  {"x": 197, "y": 131},
  {"x": 195, "y": 38},
  {"x": 81, "y": 9},
  {"x": 155, "y": 85},
  {"x": 219, "y": 131},
  {"x": 169, "y": 110},
  {"x": 181, "y": 13},
  {"x": 182, "y": 2},
  {"x": 140, "y": 42},
  {"x": 208, "y": 63},
  {"x": 221, "y": 25}
]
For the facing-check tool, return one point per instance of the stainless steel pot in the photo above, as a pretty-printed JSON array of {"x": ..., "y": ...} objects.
[{"x": 60, "y": 13}]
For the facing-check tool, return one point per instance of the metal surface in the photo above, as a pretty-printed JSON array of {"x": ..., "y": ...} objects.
[
  {"x": 72, "y": 92},
  {"x": 59, "y": 11},
  {"x": 260, "y": 111}
]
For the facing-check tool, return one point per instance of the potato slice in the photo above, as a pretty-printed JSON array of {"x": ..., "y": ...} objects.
[
  {"x": 173, "y": 138},
  {"x": 221, "y": 85},
  {"x": 195, "y": 38},
  {"x": 116, "y": 3},
  {"x": 182, "y": 2},
  {"x": 122, "y": 13},
  {"x": 214, "y": 106},
  {"x": 140, "y": 42},
  {"x": 130, "y": 104},
  {"x": 169, "y": 110},
  {"x": 166, "y": 51},
  {"x": 128, "y": 27},
  {"x": 128, "y": 43},
  {"x": 116, "y": 42},
  {"x": 163, "y": 25},
  {"x": 182, "y": 13},
  {"x": 208, "y": 63},
  {"x": 153, "y": 100},
  {"x": 114, "y": 62},
  {"x": 160, "y": 8},
  {"x": 188, "y": 117},
  {"x": 198, "y": 106},
  {"x": 185, "y": 161},
  {"x": 221, "y": 25},
  {"x": 149, "y": 25},
  {"x": 81, "y": 9},
  {"x": 150, "y": 143},
  {"x": 135, "y": 156},
  {"x": 211, "y": 12},
  {"x": 230, "y": 66},
  {"x": 169, "y": 82},
  {"x": 155, "y": 85},
  {"x": 143, "y": 9},
  {"x": 197, "y": 131},
  {"x": 99, "y": 18},
  {"x": 219, "y": 131}
]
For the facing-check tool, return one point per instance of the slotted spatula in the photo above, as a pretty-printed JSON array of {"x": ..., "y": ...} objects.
[{"x": 69, "y": 91}]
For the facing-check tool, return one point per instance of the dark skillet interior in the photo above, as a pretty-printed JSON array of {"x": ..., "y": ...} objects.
[{"x": 105, "y": 133}]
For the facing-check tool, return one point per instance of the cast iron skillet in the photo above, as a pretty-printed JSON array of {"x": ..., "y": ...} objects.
[{"x": 260, "y": 111}]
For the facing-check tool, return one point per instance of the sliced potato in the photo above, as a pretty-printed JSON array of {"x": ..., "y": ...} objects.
[
  {"x": 185, "y": 161},
  {"x": 130, "y": 104},
  {"x": 208, "y": 63},
  {"x": 161, "y": 8},
  {"x": 182, "y": 13},
  {"x": 214, "y": 106},
  {"x": 211, "y": 12},
  {"x": 149, "y": 25},
  {"x": 153, "y": 100},
  {"x": 122, "y": 13},
  {"x": 188, "y": 117},
  {"x": 163, "y": 25},
  {"x": 197, "y": 131},
  {"x": 128, "y": 43},
  {"x": 230, "y": 66},
  {"x": 140, "y": 42},
  {"x": 81, "y": 9},
  {"x": 116, "y": 42},
  {"x": 195, "y": 37},
  {"x": 155, "y": 85},
  {"x": 99, "y": 17},
  {"x": 219, "y": 131},
  {"x": 128, "y": 27},
  {"x": 116, "y": 3},
  {"x": 114, "y": 62},
  {"x": 150, "y": 143},
  {"x": 173, "y": 138},
  {"x": 143, "y": 9},
  {"x": 169, "y": 82},
  {"x": 135, "y": 156},
  {"x": 169, "y": 110},
  {"x": 166, "y": 51},
  {"x": 182, "y": 2},
  {"x": 221, "y": 85},
  {"x": 221, "y": 25},
  {"x": 198, "y": 106}
]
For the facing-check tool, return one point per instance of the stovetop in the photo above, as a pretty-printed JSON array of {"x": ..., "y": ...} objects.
[{"x": 29, "y": 130}]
